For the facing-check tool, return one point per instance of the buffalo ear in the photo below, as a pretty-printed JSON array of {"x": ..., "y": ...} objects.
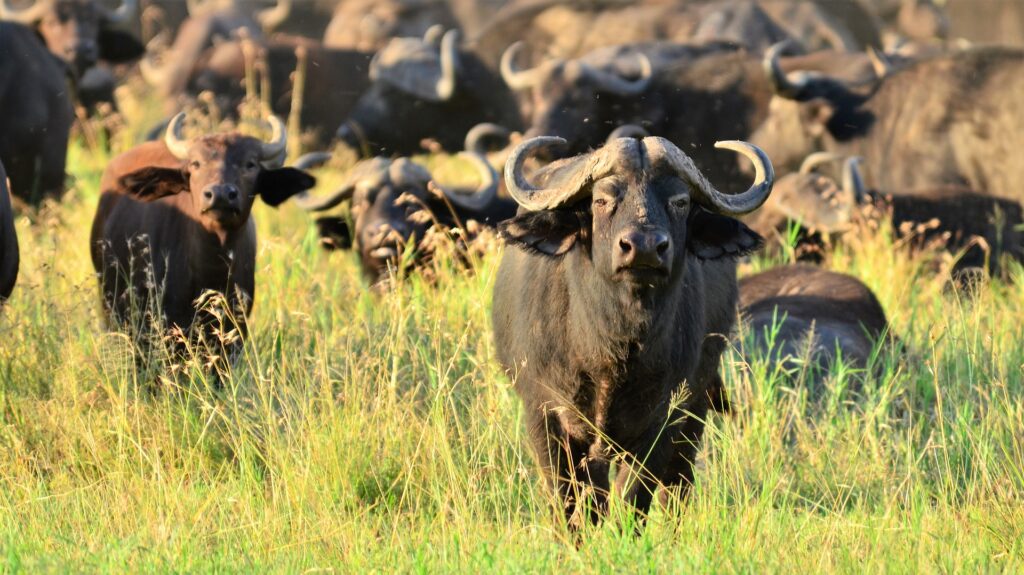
[
  {"x": 150, "y": 184},
  {"x": 547, "y": 232},
  {"x": 119, "y": 47},
  {"x": 276, "y": 186},
  {"x": 334, "y": 233},
  {"x": 714, "y": 236}
]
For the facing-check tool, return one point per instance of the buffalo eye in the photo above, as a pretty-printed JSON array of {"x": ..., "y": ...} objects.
[
  {"x": 680, "y": 201},
  {"x": 251, "y": 165}
]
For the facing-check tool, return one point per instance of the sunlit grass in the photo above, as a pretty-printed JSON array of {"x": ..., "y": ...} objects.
[{"x": 362, "y": 432}]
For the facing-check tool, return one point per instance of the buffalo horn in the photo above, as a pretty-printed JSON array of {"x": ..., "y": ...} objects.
[
  {"x": 480, "y": 132},
  {"x": 780, "y": 83},
  {"x": 26, "y": 15},
  {"x": 484, "y": 194},
  {"x": 125, "y": 12},
  {"x": 853, "y": 180},
  {"x": 449, "y": 63},
  {"x": 271, "y": 18},
  {"x": 816, "y": 159},
  {"x": 531, "y": 198},
  {"x": 275, "y": 149},
  {"x": 627, "y": 131},
  {"x": 615, "y": 84},
  {"x": 175, "y": 142},
  {"x": 706, "y": 194},
  {"x": 522, "y": 79}
]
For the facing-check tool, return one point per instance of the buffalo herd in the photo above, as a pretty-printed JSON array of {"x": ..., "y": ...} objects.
[{"x": 595, "y": 130}]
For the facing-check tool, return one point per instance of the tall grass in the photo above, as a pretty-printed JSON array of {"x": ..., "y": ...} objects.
[{"x": 376, "y": 433}]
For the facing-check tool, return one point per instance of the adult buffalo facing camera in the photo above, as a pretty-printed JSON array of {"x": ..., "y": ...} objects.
[
  {"x": 9, "y": 254},
  {"x": 395, "y": 207},
  {"x": 612, "y": 307},
  {"x": 426, "y": 89},
  {"x": 79, "y": 32},
  {"x": 174, "y": 221}
]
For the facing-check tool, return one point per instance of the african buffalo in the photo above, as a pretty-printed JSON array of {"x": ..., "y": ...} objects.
[
  {"x": 677, "y": 91},
  {"x": 35, "y": 114},
  {"x": 804, "y": 313},
  {"x": 612, "y": 305},
  {"x": 174, "y": 221},
  {"x": 79, "y": 32},
  {"x": 397, "y": 205},
  {"x": 9, "y": 254},
  {"x": 946, "y": 121},
  {"x": 426, "y": 89},
  {"x": 368, "y": 25},
  {"x": 954, "y": 216}
]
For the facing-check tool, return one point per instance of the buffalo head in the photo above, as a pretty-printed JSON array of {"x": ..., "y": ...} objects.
[
  {"x": 79, "y": 32},
  {"x": 394, "y": 203},
  {"x": 414, "y": 81},
  {"x": 566, "y": 95},
  {"x": 223, "y": 173},
  {"x": 636, "y": 208}
]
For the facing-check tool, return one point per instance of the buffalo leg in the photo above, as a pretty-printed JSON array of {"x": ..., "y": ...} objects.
[{"x": 577, "y": 478}]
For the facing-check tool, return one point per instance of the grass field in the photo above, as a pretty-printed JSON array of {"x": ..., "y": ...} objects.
[{"x": 376, "y": 433}]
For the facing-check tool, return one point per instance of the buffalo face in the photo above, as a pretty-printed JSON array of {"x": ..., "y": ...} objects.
[
  {"x": 636, "y": 208},
  {"x": 224, "y": 174}
]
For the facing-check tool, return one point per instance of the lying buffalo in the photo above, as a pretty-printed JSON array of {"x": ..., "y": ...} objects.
[
  {"x": 9, "y": 254},
  {"x": 35, "y": 114},
  {"x": 802, "y": 313},
  {"x": 612, "y": 306},
  {"x": 174, "y": 221},
  {"x": 983, "y": 227},
  {"x": 396, "y": 206},
  {"x": 426, "y": 89},
  {"x": 945, "y": 121}
]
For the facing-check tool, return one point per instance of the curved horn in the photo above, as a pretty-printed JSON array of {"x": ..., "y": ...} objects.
[
  {"x": 449, "y": 64},
  {"x": 531, "y": 198},
  {"x": 522, "y": 79},
  {"x": 26, "y": 15},
  {"x": 342, "y": 195},
  {"x": 880, "y": 63},
  {"x": 480, "y": 132},
  {"x": 434, "y": 34},
  {"x": 175, "y": 142},
  {"x": 818, "y": 158},
  {"x": 271, "y": 18},
  {"x": 312, "y": 160},
  {"x": 276, "y": 148},
  {"x": 125, "y": 12},
  {"x": 853, "y": 180},
  {"x": 484, "y": 194},
  {"x": 777, "y": 79},
  {"x": 706, "y": 194},
  {"x": 615, "y": 84},
  {"x": 627, "y": 131}
]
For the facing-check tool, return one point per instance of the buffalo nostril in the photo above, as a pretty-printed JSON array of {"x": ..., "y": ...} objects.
[
  {"x": 207, "y": 194},
  {"x": 625, "y": 245},
  {"x": 233, "y": 195},
  {"x": 662, "y": 246}
]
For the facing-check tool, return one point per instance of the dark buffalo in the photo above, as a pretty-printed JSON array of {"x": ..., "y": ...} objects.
[
  {"x": 947, "y": 121},
  {"x": 426, "y": 89},
  {"x": 804, "y": 314},
  {"x": 9, "y": 254},
  {"x": 174, "y": 219},
  {"x": 35, "y": 114},
  {"x": 79, "y": 32},
  {"x": 983, "y": 227},
  {"x": 397, "y": 206},
  {"x": 325, "y": 83},
  {"x": 612, "y": 306},
  {"x": 368, "y": 25},
  {"x": 686, "y": 93}
]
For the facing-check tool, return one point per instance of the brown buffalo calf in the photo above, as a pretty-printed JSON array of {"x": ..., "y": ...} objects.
[
  {"x": 174, "y": 223},
  {"x": 9, "y": 254}
]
